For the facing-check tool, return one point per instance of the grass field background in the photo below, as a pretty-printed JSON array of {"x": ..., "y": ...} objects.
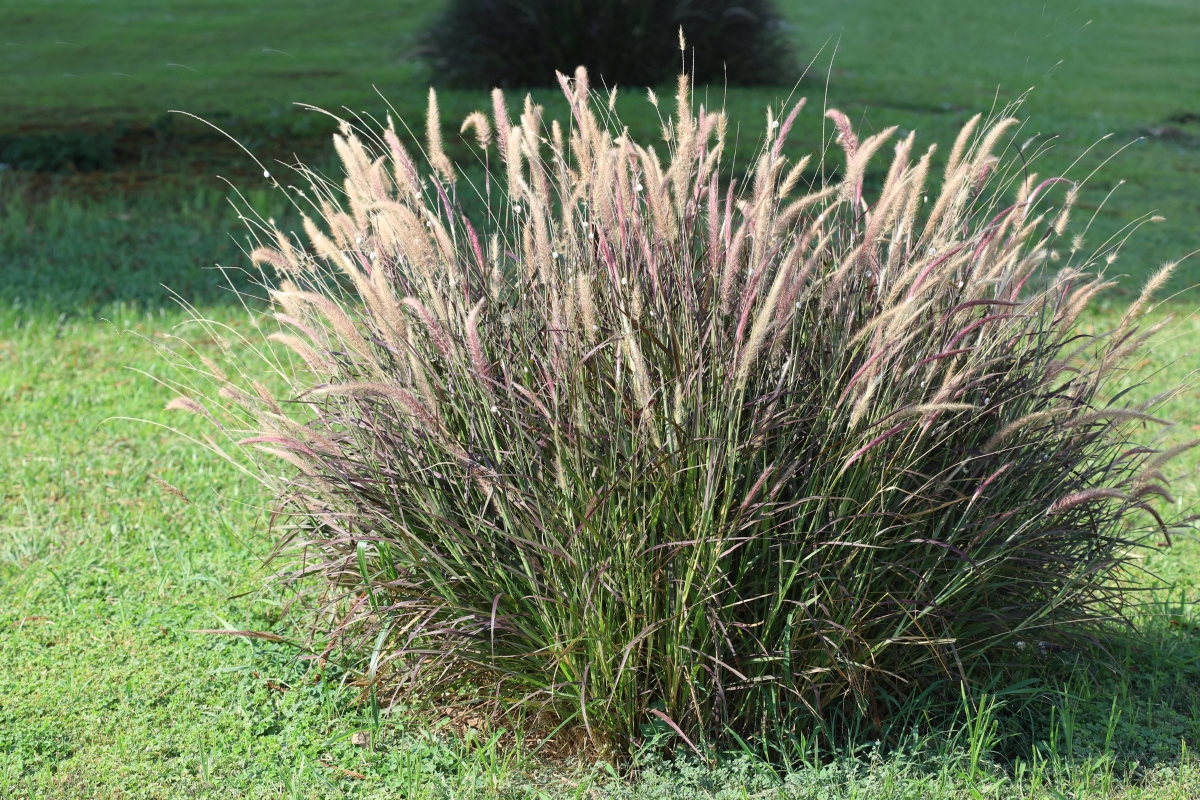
[
  {"x": 108, "y": 73},
  {"x": 105, "y": 691}
]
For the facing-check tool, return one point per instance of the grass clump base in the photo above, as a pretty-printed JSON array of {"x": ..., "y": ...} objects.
[{"x": 658, "y": 452}]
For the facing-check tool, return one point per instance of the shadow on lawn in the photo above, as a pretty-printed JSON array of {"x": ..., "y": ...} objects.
[
  {"x": 1132, "y": 705},
  {"x": 138, "y": 214},
  {"x": 77, "y": 251}
]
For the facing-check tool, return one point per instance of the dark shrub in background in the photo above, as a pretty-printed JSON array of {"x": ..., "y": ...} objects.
[
  {"x": 486, "y": 43},
  {"x": 55, "y": 151}
]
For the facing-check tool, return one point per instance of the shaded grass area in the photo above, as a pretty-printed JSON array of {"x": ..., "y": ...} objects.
[
  {"x": 73, "y": 256},
  {"x": 108, "y": 690}
]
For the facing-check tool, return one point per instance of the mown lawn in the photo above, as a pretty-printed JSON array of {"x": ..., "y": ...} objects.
[{"x": 106, "y": 688}]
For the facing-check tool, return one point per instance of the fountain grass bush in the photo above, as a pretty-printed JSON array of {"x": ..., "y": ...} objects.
[{"x": 651, "y": 451}]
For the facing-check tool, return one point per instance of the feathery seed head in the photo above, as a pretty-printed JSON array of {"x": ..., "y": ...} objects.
[
  {"x": 433, "y": 141},
  {"x": 479, "y": 123}
]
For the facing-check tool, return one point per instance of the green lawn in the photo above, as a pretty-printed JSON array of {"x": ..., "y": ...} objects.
[{"x": 105, "y": 688}]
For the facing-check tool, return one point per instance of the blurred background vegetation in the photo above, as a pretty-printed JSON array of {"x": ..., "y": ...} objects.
[{"x": 96, "y": 160}]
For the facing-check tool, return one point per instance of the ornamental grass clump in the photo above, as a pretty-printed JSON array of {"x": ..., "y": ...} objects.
[{"x": 649, "y": 449}]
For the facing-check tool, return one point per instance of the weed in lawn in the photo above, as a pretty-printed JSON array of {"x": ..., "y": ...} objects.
[{"x": 981, "y": 730}]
